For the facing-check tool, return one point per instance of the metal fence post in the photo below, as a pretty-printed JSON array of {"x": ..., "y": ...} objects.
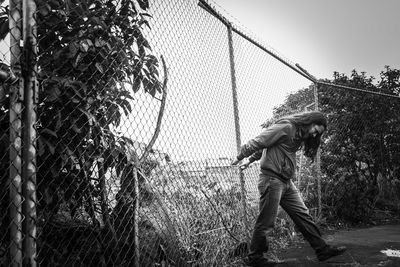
[
  {"x": 237, "y": 123},
  {"x": 29, "y": 132},
  {"x": 16, "y": 98},
  {"x": 136, "y": 212},
  {"x": 318, "y": 157}
]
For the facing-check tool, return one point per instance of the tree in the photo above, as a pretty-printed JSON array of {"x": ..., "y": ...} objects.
[
  {"x": 359, "y": 145},
  {"x": 92, "y": 58}
]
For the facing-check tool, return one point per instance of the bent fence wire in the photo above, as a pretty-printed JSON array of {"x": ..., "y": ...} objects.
[{"x": 141, "y": 106}]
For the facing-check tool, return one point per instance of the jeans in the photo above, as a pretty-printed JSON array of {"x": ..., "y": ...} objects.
[{"x": 275, "y": 192}]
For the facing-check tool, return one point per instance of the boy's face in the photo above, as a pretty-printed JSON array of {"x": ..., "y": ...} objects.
[{"x": 314, "y": 130}]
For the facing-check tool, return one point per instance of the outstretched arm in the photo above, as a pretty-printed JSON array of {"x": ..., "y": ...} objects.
[
  {"x": 256, "y": 156},
  {"x": 268, "y": 137},
  {"x": 247, "y": 161}
]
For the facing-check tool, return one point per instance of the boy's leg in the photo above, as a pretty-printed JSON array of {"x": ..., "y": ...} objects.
[
  {"x": 271, "y": 190},
  {"x": 293, "y": 204}
]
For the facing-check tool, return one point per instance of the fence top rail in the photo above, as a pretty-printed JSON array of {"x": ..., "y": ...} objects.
[
  {"x": 206, "y": 6},
  {"x": 357, "y": 89},
  {"x": 296, "y": 67}
]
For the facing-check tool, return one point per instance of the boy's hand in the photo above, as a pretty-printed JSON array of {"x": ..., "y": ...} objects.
[
  {"x": 243, "y": 165},
  {"x": 235, "y": 162}
]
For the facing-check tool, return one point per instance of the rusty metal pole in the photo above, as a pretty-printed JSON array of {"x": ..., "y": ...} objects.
[
  {"x": 15, "y": 170},
  {"x": 29, "y": 73},
  {"x": 237, "y": 124},
  {"x": 318, "y": 157},
  {"x": 136, "y": 212}
]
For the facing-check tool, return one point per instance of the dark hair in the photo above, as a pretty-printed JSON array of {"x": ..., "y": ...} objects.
[
  {"x": 305, "y": 119},
  {"x": 302, "y": 121}
]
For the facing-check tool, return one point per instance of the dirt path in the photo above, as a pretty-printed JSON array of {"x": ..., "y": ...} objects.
[{"x": 375, "y": 246}]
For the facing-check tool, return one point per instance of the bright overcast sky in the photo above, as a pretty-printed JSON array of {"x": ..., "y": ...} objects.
[{"x": 326, "y": 36}]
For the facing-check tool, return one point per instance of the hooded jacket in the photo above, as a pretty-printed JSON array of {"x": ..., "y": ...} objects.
[{"x": 276, "y": 146}]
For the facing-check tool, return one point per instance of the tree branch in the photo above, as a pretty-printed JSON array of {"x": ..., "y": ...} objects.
[
  {"x": 160, "y": 114},
  {"x": 219, "y": 215}
]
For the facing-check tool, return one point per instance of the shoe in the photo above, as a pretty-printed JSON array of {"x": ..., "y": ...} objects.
[
  {"x": 329, "y": 252},
  {"x": 259, "y": 262}
]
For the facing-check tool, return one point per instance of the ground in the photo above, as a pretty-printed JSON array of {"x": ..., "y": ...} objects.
[{"x": 366, "y": 247}]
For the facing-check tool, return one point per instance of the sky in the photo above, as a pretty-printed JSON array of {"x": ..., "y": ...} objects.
[{"x": 325, "y": 36}]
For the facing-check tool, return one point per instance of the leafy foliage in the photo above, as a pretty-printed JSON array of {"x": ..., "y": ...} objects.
[
  {"x": 4, "y": 28},
  {"x": 361, "y": 148},
  {"x": 92, "y": 58}
]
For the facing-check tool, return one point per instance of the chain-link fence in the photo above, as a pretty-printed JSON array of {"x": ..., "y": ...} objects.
[{"x": 142, "y": 105}]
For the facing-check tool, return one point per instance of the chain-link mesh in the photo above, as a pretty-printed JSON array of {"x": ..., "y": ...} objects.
[{"x": 141, "y": 108}]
